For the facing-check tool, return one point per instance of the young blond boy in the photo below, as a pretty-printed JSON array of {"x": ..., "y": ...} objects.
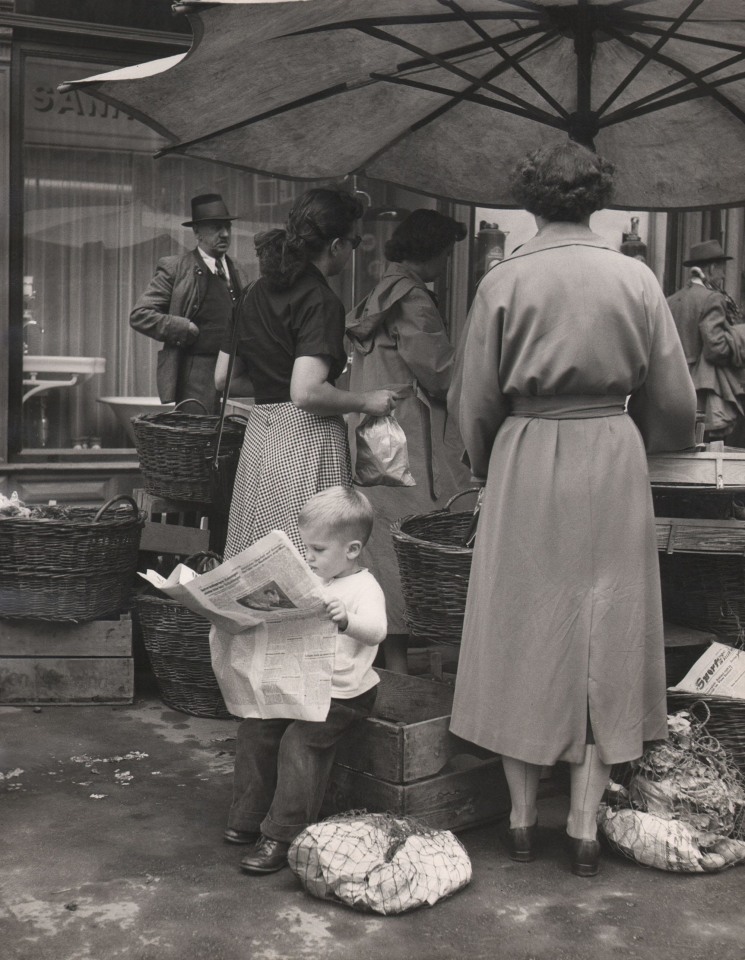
[{"x": 282, "y": 767}]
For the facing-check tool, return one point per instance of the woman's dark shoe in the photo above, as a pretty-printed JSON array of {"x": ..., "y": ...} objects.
[
  {"x": 230, "y": 835},
  {"x": 585, "y": 857},
  {"x": 267, "y": 856},
  {"x": 521, "y": 844}
]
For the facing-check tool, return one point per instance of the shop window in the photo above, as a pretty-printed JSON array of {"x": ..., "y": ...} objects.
[{"x": 99, "y": 212}]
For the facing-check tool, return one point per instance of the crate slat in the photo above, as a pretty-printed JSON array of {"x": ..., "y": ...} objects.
[
  {"x": 707, "y": 468},
  {"x": 679, "y": 535},
  {"x": 45, "y": 638},
  {"x": 65, "y": 680},
  {"x": 451, "y": 800}
]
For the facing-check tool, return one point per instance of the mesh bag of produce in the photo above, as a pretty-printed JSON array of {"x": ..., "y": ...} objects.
[
  {"x": 684, "y": 807},
  {"x": 378, "y": 862}
]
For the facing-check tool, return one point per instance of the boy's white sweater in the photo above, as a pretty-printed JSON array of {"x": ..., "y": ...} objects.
[{"x": 357, "y": 646}]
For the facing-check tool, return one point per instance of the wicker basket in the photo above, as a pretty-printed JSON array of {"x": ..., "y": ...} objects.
[
  {"x": 706, "y": 591},
  {"x": 177, "y": 642},
  {"x": 78, "y": 568},
  {"x": 175, "y": 450},
  {"x": 724, "y": 718},
  {"x": 434, "y": 568}
]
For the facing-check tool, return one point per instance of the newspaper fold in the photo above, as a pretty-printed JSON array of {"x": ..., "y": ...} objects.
[
  {"x": 719, "y": 671},
  {"x": 272, "y": 644}
]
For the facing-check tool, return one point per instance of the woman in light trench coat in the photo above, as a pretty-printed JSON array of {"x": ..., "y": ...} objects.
[
  {"x": 562, "y": 654},
  {"x": 400, "y": 342}
]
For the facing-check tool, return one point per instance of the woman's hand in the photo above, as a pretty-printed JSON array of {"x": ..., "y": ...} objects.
[
  {"x": 337, "y": 612},
  {"x": 379, "y": 403}
]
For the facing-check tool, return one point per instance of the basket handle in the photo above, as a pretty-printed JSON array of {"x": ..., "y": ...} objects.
[
  {"x": 123, "y": 497},
  {"x": 462, "y": 493},
  {"x": 189, "y": 400},
  {"x": 237, "y": 418}
]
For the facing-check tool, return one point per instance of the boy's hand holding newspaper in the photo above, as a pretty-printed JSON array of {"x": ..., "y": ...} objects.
[{"x": 337, "y": 611}]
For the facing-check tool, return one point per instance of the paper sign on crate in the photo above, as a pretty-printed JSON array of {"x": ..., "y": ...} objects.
[{"x": 720, "y": 671}]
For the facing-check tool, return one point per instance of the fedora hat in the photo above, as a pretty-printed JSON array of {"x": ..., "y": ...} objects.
[
  {"x": 208, "y": 206},
  {"x": 705, "y": 252}
]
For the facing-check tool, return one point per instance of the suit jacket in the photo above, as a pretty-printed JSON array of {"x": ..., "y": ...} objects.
[
  {"x": 714, "y": 345},
  {"x": 170, "y": 302}
]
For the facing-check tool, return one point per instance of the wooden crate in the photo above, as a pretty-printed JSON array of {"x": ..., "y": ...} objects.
[
  {"x": 44, "y": 662},
  {"x": 408, "y": 736},
  {"x": 172, "y": 526},
  {"x": 700, "y": 468},
  {"x": 405, "y": 760},
  {"x": 468, "y": 792}
]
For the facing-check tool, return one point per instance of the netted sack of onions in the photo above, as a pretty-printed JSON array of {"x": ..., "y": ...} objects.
[{"x": 378, "y": 862}]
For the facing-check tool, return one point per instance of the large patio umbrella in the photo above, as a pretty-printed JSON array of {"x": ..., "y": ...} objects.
[{"x": 442, "y": 96}]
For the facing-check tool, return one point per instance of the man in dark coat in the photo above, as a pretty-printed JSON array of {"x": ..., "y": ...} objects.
[
  {"x": 188, "y": 306},
  {"x": 712, "y": 332}
]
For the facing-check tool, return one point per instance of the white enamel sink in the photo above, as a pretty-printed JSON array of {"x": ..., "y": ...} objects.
[{"x": 42, "y": 373}]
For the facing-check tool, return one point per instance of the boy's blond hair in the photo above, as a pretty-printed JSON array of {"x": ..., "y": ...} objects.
[{"x": 343, "y": 511}]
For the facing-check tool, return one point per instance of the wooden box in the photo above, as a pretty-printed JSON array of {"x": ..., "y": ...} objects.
[
  {"x": 404, "y": 760},
  {"x": 704, "y": 468},
  {"x": 468, "y": 792},
  {"x": 45, "y": 662},
  {"x": 408, "y": 736}
]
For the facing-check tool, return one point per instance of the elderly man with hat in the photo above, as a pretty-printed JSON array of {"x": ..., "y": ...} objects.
[
  {"x": 188, "y": 305},
  {"x": 712, "y": 331}
]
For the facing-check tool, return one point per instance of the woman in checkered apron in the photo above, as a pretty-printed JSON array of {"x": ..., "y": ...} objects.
[{"x": 290, "y": 345}]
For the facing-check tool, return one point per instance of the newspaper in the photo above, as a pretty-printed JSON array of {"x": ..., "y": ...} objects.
[
  {"x": 272, "y": 643},
  {"x": 720, "y": 671},
  {"x": 267, "y": 581}
]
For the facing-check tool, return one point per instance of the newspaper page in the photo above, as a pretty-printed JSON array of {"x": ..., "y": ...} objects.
[
  {"x": 267, "y": 581},
  {"x": 720, "y": 671},
  {"x": 271, "y": 642},
  {"x": 278, "y": 669}
]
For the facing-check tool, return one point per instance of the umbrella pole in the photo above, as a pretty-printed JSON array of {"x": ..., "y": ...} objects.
[{"x": 584, "y": 124}]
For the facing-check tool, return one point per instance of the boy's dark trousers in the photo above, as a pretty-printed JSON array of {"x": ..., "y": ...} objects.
[{"x": 282, "y": 768}]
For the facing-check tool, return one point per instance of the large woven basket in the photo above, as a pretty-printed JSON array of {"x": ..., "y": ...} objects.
[
  {"x": 177, "y": 642},
  {"x": 724, "y": 718},
  {"x": 78, "y": 568},
  {"x": 706, "y": 591},
  {"x": 434, "y": 568},
  {"x": 175, "y": 450}
]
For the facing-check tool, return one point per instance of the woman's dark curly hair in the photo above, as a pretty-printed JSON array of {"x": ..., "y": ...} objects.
[
  {"x": 564, "y": 181},
  {"x": 318, "y": 217},
  {"x": 422, "y": 235}
]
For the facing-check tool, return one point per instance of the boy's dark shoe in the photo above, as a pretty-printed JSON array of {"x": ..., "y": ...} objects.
[
  {"x": 268, "y": 856},
  {"x": 240, "y": 836}
]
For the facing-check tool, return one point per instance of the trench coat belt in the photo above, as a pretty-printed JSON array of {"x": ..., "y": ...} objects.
[{"x": 568, "y": 406}]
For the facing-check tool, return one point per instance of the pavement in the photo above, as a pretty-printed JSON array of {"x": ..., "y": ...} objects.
[{"x": 111, "y": 823}]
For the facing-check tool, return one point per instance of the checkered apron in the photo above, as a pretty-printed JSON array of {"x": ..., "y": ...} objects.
[{"x": 287, "y": 456}]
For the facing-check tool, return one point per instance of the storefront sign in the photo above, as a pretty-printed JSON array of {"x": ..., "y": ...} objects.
[{"x": 76, "y": 119}]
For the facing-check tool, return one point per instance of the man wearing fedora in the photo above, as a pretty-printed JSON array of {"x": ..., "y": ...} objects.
[
  {"x": 188, "y": 306},
  {"x": 712, "y": 332}
]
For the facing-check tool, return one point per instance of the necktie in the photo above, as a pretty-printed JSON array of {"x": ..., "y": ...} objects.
[{"x": 220, "y": 272}]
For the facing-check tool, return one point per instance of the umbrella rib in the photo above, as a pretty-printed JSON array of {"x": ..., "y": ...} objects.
[
  {"x": 440, "y": 61},
  {"x": 507, "y": 57},
  {"x": 666, "y": 35},
  {"x": 659, "y": 96},
  {"x": 540, "y": 116},
  {"x": 684, "y": 38},
  {"x": 707, "y": 89},
  {"x": 637, "y": 110},
  {"x": 480, "y": 47},
  {"x": 266, "y": 115}
]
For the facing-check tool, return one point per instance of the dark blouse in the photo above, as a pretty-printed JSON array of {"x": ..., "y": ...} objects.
[{"x": 275, "y": 327}]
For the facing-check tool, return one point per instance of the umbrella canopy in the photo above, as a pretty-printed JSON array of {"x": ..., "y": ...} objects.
[{"x": 442, "y": 96}]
